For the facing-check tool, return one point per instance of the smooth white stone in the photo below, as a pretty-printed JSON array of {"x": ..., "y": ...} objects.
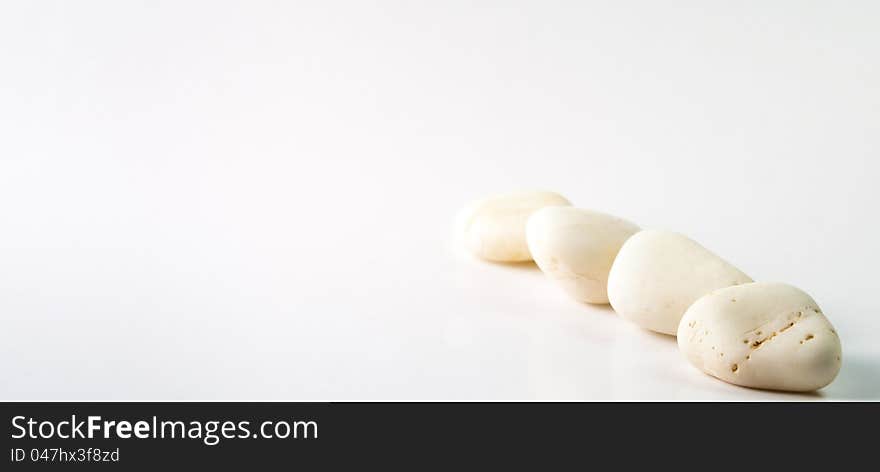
[
  {"x": 761, "y": 335},
  {"x": 494, "y": 228},
  {"x": 657, "y": 275},
  {"x": 576, "y": 248}
]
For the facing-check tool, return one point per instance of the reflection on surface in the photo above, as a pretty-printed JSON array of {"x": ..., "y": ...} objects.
[{"x": 859, "y": 379}]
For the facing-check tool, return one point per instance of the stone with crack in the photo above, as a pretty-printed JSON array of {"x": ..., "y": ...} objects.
[{"x": 761, "y": 335}]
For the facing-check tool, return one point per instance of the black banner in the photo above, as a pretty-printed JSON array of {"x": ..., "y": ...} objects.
[{"x": 149, "y": 436}]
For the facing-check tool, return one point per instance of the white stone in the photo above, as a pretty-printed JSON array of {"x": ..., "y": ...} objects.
[
  {"x": 657, "y": 275},
  {"x": 576, "y": 247},
  {"x": 494, "y": 228},
  {"x": 761, "y": 335}
]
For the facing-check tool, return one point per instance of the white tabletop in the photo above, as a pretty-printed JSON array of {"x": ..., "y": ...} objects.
[{"x": 255, "y": 200}]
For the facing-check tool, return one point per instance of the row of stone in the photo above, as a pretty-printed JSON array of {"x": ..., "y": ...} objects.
[{"x": 760, "y": 335}]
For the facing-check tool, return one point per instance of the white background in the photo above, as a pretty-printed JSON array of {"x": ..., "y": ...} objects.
[{"x": 254, "y": 200}]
